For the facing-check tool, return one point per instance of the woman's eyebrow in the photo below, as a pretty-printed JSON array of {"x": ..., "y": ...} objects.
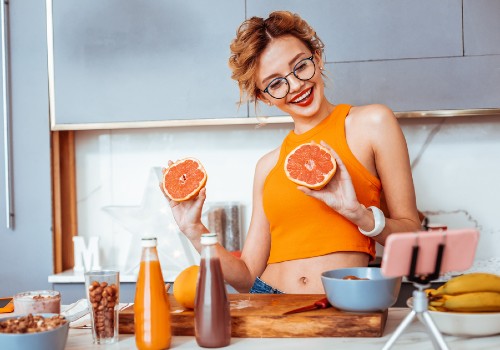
[{"x": 289, "y": 63}]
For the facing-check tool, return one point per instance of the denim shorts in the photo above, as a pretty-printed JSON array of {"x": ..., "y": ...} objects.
[{"x": 261, "y": 287}]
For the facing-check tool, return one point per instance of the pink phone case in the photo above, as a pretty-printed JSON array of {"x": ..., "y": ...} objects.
[{"x": 459, "y": 251}]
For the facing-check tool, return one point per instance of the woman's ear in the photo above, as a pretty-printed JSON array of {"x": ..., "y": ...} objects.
[
  {"x": 263, "y": 98},
  {"x": 318, "y": 57}
]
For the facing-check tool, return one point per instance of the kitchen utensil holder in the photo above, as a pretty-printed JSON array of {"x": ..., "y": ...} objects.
[{"x": 420, "y": 302}]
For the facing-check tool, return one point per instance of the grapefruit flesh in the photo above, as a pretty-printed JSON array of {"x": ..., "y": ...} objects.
[
  {"x": 184, "y": 179},
  {"x": 310, "y": 165}
]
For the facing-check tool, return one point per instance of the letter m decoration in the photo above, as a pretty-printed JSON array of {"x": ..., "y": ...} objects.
[{"x": 86, "y": 258}]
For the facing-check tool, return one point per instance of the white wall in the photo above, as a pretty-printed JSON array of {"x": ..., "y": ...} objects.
[{"x": 455, "y": 166}]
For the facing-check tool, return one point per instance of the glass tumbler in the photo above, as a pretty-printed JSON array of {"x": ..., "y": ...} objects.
[{"x": 103, "y": 295}]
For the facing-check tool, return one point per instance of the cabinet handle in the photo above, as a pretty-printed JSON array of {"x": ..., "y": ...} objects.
[{"x": 7, "y": 131}]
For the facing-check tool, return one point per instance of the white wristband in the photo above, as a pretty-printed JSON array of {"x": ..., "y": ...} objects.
[{"x": 379, "y": 219}]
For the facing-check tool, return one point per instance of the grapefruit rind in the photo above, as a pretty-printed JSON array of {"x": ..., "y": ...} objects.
[
  {"x": 310, "y": 165},
  {"x": 184, "y": 179}
]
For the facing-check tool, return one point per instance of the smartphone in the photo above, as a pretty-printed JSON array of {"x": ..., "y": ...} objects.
[
  {"x": 458, "y": 255},
  {"x": 6, "y": 305}
]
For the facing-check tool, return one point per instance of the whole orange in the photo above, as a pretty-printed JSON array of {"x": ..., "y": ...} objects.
[{"x": 185, "y": 286}]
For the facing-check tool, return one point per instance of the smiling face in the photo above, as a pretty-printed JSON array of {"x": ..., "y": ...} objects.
[{"x": 305, "y": 99}]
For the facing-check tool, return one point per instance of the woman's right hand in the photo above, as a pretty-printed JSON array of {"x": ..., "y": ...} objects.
[{"x": 187, "y": 214}]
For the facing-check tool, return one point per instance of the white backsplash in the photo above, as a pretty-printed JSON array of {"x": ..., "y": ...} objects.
[{"x": 455, "y": 161}]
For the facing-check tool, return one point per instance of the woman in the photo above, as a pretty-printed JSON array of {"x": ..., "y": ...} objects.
[{"x": 296, "y": 233}]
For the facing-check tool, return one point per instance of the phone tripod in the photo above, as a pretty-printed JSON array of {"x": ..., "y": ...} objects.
[{"x": 420, "y": 303}]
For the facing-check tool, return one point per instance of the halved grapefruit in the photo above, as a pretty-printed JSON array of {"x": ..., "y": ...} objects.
[
  {"x": 310, "y": 165},
  {"x": 184, "y": 179}
]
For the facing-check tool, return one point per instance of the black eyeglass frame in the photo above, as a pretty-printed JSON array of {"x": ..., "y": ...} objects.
[{"x": 266, "y": 90}]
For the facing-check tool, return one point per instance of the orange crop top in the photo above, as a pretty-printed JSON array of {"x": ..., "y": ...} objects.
[{"x": 304, "y": 227}]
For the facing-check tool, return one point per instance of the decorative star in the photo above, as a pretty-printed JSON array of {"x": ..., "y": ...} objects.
[{"x": 153, "y": 218}]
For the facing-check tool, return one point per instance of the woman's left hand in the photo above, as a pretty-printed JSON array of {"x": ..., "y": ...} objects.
[{"x": 339, "y": 193}]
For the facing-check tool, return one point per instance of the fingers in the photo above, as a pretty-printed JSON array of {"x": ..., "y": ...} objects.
[
  {"x": 163, "y": 170},
  {"x": 171, "y": 202},
  {"x": 202, "y": 195},
  {"x": 306, "y": 191},
  {"x": 160, "y": 185},
  {"x": 339, "y": 161}
]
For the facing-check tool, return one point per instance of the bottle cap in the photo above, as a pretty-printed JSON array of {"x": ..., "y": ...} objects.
[
  {"x": 208, "y": 238},
  {"x": 148, "y": 242}
]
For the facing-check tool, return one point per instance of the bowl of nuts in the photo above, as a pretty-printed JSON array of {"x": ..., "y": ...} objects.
[{"x": 34, "y": 331}]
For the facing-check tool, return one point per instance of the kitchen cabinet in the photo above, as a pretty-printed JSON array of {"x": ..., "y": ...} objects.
[
  {"x": 26, "y": 250},
  {"x": 366, "y": 30},
  {"x": 118, "y": 61},
  {"x": 481, "y": 27},
  {"x": 116, "y": 64},
  {"x": 411, "y": 56}
]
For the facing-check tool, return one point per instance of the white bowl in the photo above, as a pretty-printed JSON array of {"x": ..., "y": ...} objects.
[{"x": 465, "y": 324}]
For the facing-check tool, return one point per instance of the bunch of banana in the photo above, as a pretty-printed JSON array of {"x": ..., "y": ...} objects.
[{"x": 473, "y": 292}]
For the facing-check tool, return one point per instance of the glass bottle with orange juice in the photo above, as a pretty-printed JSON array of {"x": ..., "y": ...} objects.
[{"x": 151, "y": 304}]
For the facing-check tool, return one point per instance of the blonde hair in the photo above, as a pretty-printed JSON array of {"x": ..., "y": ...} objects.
[{"x": 252, "y": 38}]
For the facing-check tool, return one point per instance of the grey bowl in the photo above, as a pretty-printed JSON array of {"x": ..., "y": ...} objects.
[
  {"x": 54, "y": 339},
  {"x": 375, "y": 294}
]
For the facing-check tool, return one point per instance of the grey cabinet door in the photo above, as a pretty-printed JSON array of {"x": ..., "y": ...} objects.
[
  {"x": 131, "y": 60},
  {"x": 26, "y": 252},
  {"x": 369, "y": 30},
  {"x": 386, "y": 51}
]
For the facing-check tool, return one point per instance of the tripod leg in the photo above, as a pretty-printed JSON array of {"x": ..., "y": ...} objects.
[
  {"x": 402, "y": 326},
  {"x": 436, "y": 336},
  {"x": 422, "y": 319}
]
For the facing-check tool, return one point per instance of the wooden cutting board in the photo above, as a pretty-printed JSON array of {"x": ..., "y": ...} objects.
[{"x": 261, "y": 316}]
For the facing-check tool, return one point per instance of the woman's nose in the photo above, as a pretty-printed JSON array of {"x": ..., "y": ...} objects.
[{"x": 295, "y": 83}]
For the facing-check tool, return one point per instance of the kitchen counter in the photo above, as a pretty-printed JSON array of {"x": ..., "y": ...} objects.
[{"x": 414, "y": 337}]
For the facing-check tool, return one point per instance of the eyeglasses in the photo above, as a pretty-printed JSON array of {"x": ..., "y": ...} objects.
[{"x": 280, "y": 87}]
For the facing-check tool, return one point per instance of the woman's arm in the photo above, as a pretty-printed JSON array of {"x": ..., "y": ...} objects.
[
  {"x": 238, "y": 272},
  {"x": 392, "y": 166}
]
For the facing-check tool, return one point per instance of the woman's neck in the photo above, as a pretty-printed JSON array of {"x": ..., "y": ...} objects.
[{"x": 304, "y": 124}]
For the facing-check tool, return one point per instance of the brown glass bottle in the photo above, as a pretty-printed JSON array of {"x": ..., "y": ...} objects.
[{"x": 212, "y": 319}]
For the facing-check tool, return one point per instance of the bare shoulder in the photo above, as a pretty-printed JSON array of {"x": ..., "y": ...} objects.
[
  {"x": 267, "y": 162},
  {"x": 372, "y": 114},
  {"x": 375, "y": 124}
]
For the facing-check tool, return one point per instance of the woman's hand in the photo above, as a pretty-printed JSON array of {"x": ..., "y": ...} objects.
[
  {"x": 187, "y": 214},
  {"x": 339, "y": 193}
]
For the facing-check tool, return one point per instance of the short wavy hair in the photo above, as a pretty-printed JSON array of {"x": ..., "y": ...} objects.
[{"x": 252, "y": 38}]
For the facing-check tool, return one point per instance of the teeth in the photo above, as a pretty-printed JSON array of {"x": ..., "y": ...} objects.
[{"x": 303, "y": 97}]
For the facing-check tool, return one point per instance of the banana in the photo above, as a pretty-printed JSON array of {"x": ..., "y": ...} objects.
[
  {"x": 438, "y": 300},
  {"x": 430, "y": 292},
  {"x": 469, "y": 283},
  {"x": 440, "y": 290},
  {"x": 437, "y": 308},
  {"x": 473, "y": 302}
]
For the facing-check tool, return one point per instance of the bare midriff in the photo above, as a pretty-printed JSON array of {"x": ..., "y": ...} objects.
[{"x": 303, "y": 276}]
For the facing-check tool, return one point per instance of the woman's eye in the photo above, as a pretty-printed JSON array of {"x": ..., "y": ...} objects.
[
  {"x": 276, "y": 84},
  {"x": 300, "y": 66}
]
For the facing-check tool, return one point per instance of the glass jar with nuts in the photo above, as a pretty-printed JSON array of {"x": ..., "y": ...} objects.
[{"x": 103, "y": 291}]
